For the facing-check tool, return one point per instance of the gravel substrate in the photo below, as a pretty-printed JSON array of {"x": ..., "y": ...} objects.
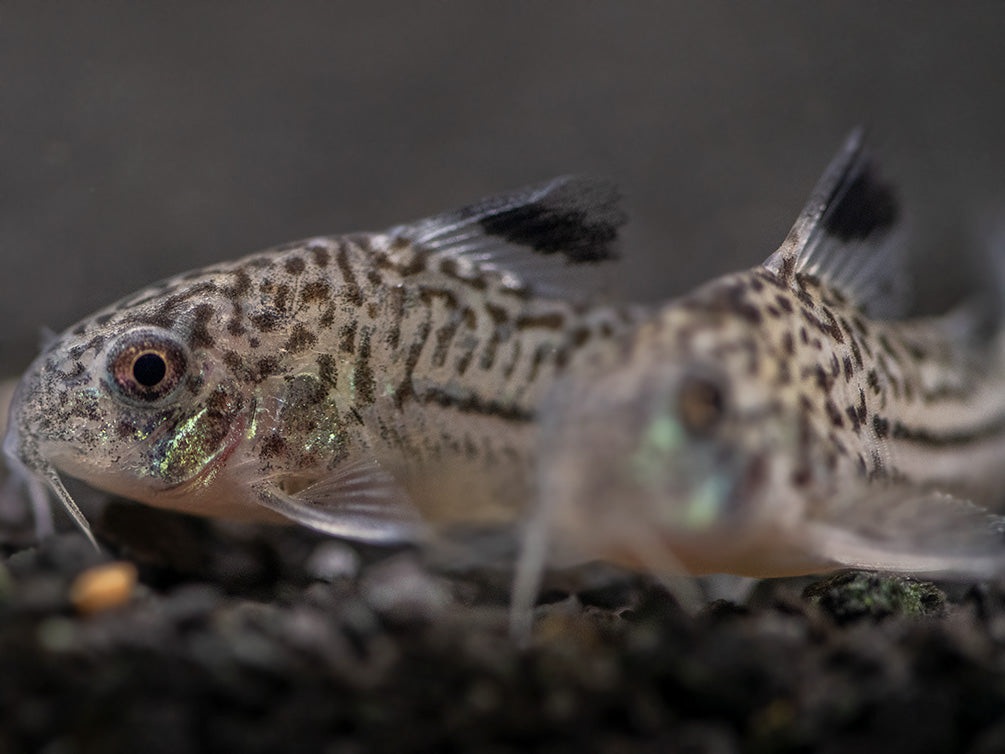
[{"x": 271, "y": 639}]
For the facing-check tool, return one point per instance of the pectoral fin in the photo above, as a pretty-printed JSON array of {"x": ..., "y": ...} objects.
[
  {"x": 359, "y": 500},
  {"x": 912, "y": 532}
]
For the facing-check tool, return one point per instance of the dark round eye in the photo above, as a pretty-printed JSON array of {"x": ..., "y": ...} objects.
[
  {"x": 149, "y": 369},
  {"x": 700, "y": 404},
  {"x": 147, "y": 365}
]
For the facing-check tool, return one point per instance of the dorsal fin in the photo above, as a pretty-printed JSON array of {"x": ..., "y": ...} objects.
[
  {"x": 845, "y": 234},
  {"x": 531, "y": 234}
]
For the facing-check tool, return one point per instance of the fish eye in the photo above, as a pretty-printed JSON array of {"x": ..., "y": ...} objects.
[
  {"x": 147, "y": 365},
  {"x": 701, "y": 404}
]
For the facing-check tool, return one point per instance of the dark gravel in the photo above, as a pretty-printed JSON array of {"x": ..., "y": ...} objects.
[{"x": 278, "y": 640}]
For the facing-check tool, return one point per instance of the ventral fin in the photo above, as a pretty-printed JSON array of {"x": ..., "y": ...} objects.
[
  {"x": 530, "y": 234},
  {"x": 911, "y": 531},
  {"x": 358, "y": 501},
  {"x": 846, "y": 234}
]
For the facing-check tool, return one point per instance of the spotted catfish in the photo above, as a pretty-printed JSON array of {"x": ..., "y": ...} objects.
[
  {"x": 360, "y": 385},
  {"x": 782, "y": 420}
]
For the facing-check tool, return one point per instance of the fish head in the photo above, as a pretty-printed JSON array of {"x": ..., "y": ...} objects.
[
  {"x": 671, "y": 457},
  {"x": 134, "y": 400}
]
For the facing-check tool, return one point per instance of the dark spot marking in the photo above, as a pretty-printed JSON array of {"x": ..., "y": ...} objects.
[
  {"x": 852, "y": 413},
  {"x": 300, "y": 339},
  {"x": 916, "y": 351},
  {"x": 831, "y": 327},
  {"x": 281, "y": 299},
  {"x": 444, "y": 337},
  {"x": 350, "y": 287},
  {"x": 788, "y": 266},
  {"x": 266, "y": 321},
  {"x": 784, "y": 302},
  {"x": 824, "y": 381},
  {"x": 315, "y": 291},
  {"x": 849, "y": 370},
  {"x": 327, "y": 370},
  {"x": 580, "y": 336},
  {"x": 788, "y": 343},
  {"x": 241, "y": 284},
  {"x": 497, "y": 313},
  {"x": 540, "y": 356},
  {"x": 514, "y": 361},
  {"x": 266, "y": 367},
  {"x": 321, "y": 255},
  {"x": 273, "y": 446},
  {"x": 553, "y": 321},
  {"x": 406, "y": 389},
  {"x": 488, "y": 358},
  {"x": 397, "y": 300},
  {"x": 199, "y": 336},
  {"x": 234, "y": 362},
  {"x": 295, "y": 265},
  {"x": 989, "y": 430},
  {"x": 464, "y": 361},
  {"x": 833, "y": 414},
  {"x": 855, "y": 352},
  {"x": 880, "y": 426},
  {"x": 347, "y": 336},
  {"x": 472, "y": 404}
]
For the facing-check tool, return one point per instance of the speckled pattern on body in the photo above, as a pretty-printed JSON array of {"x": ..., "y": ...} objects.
[
  {"x": 786, "y": 419},
  {"x": 364, "y": 385}
]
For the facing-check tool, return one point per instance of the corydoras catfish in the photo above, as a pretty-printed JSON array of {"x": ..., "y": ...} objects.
[
  {"x": 362, "y": 385},
  {"x": 787, "y": 419}
]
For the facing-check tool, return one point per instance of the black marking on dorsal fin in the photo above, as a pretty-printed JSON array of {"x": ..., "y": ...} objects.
[
  {"x": 844, "y": 235},
  {"x": 572, "y": 220},
  {"x": 573, "y": 216}
]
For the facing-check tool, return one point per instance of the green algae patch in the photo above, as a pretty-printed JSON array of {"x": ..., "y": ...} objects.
[{"x": 855, "y": 595}]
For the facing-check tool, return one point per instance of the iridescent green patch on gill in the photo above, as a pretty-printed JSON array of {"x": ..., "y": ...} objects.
[
  {"x": 196, "y": 440},
  {"x": 663, "y": 436}
]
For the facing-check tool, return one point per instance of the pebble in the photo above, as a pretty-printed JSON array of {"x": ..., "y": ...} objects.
[
  {"x": 103, "y": 587},
  {"x": 331, "y": 561}
]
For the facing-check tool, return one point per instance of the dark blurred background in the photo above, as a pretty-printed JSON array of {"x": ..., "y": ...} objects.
[{"x": 138, "y": 140}]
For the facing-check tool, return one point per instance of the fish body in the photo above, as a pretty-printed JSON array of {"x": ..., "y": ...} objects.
[
  {"x": 780, "y": 421},
  {"x": 362, "y": 385}
]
